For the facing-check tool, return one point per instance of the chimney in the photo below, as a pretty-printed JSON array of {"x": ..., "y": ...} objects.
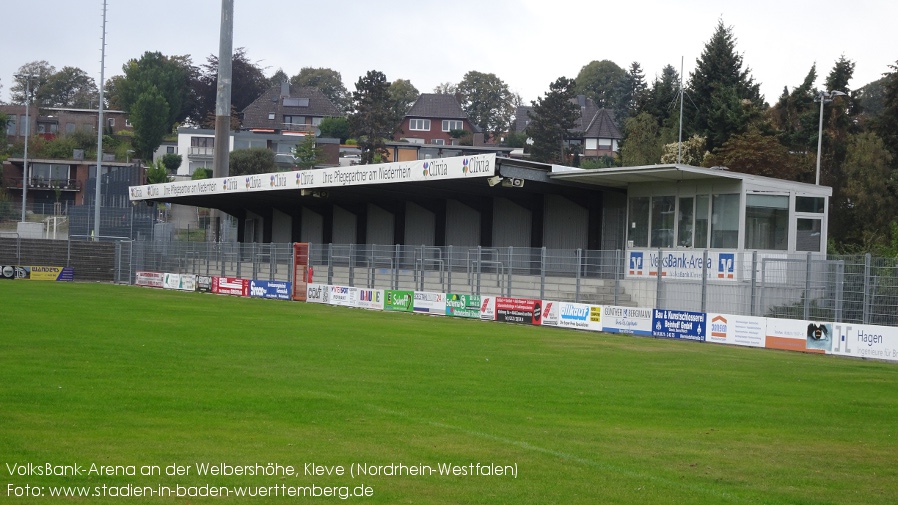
[{"x": 285, "y": 88}]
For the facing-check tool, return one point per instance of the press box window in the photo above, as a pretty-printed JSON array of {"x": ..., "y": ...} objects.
[
  {"x": 809, "y": 204},
  {"x": 808, "y": 234},
  {"x": 638, "y": 229},
  {"x": 725, "y": 221},
  {"x": 767, "y": 222}
]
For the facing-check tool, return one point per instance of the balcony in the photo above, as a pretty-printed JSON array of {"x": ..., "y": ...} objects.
[
  {"x": 201, "y": 152},
  {"x": 298, "y": 128},
  {"x": 38, "y": 183}
]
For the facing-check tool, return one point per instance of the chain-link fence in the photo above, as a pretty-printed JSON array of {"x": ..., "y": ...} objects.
[{"x": 860, "y": 289}]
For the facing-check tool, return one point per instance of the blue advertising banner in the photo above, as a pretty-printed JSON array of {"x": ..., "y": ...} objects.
[
  {"x": 277, "y": 290},
  {"x": 678, "y": 324}
]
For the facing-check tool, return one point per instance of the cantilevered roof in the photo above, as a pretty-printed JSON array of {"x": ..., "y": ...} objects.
[{"x": 622, "y": 177}]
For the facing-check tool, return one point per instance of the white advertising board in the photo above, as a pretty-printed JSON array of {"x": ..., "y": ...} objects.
[
  {"x": 370, "y": 299},
  {"x": 317, "y": 293},
  {"x": 736, "y": 330},
  {"x": 459, "y": 167},
  {"x": 865, "y": 341},
  {"x": 430, "y": 303},
  {"x": 634, "y": 320},
  {"x": 798, "y": 335},
  {"x": 488, "y": 308},
  {"x": 579, "y": 316},
  {"x": 182, "y": 282},
  {"x": 343, "y": 296},
  {"x": 681, "y": 264}
]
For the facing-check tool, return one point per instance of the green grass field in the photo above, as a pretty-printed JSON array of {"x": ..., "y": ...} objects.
[{"x": 115, "y": 375}]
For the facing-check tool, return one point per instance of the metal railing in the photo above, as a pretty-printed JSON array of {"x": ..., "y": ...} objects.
[{"x": 859, "y": 289}]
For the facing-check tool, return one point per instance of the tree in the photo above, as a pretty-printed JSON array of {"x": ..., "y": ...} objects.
[
  {"x": 40, "y": 72},
  {"x": 70, "y": 87},
  {"x": 871, "y": 187},
  {"x": 632, "y": 90},
  {"x": 886, "y": 124},
  {"x": 403, "y": 94},
  {"x": 201, "y": 173},
  {"x": 552, "y": 118},
  {"x": 487, "y": 101},
  {"x": 661, "y": 101},
  {"x": 335, "y": 127},
  {"x": 328, "y": 81},
  {"x": 278, "y": 77},
  {"x": 157, "y": 173},
  {"x": 149, "y": 116},
  {"x": 445, "y": 88},
  {"x": 307, "y": 154},
  {"x": 248, "y": 82},
  {"x": 719, "y": 81},
  {"x": 795, "y": 115},
  {"x": 641, "y": 144},
  {"x": 374, "y": 116},
  {"x": 169, "y": 75},
  {"x": 255, "y": 160},
  {"x": 172, "y": 161},
  {"x": 755, "y": 153},
  {"x": 602, "y": 81},
  {"x": 692, "y": 153}
]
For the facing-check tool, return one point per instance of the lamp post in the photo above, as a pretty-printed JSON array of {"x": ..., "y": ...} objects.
[
  {"x": 28, "y": 78},
  {"x": 823, "y": 97}
]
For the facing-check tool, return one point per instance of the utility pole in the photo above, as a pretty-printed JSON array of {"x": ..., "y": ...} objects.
[{"x": 223, "y": 105}]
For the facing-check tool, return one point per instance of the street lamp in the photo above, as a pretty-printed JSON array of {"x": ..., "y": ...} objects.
[
  {"x": 823, "y": 97},
  {"x": 27, "y": 78}
]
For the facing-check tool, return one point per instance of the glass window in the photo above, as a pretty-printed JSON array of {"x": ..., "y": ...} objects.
[
  {"x": 294, "y": 120},
  {"x": 767, "y": 222},
  {"x": 592, "y": 143},
  {"x": 69, "y": 128},
  {"x": 808, "y": 236},
  {"x": 605, "y": 143},
  {"x": 685, "y": 222},
  {"x": 202, "y": 141},
  {"x": 809, "y": 204},
  {"x": 725, "y": 221},
  {"x": 316, "y": 121},
  {"x": 663, "y": 221},
  {"x": 11, "y": 125},
  {"x": 438, "y": 142},
  {"x": 702, "y": 211},
  {"x": 449, "y": 125},
  {"x": 422, "y": 125},
  {"x": 23, "y": 126},
  {"x": 638, "y": 214}
]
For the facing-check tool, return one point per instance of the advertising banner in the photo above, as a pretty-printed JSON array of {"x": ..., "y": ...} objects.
[
  {"x": 682, "y": 264},
  {"x": 318, "y": 293},
  {"x": 456, "y": 167},
  {"x": 735, "y": 330},
  {"x": 632, "y": 320},
  {"x": 230, "y": 286},
  {"x": 343, "y": 296},
  {"x": 579, "y": 316},
  {"x": 182, "y": 282},
  {"x": 401, "y": 301},
  {"x": 66, "y": 274},
  {"x": 488, "y": 308},
  {"x": 430, "y": 303},
  {"x": 275, "y": 290},
  {"x": 798, "y": 335},
  {"x": 301, "y": 271},
  {"x": 11, "y": 272},
  {"x": 463, "y": 306},
  {"x": 204, "y": 283},
  {"x": 519, "y": 310},
  {"x": 370, "y": 299},
  {"x": 678, "y": 324},
  {"x": 864, "y": 341},
  {"x": 149, "y": 279}
]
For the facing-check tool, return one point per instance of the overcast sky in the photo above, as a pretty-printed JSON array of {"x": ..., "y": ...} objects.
[{"x": 526, "y": 43}]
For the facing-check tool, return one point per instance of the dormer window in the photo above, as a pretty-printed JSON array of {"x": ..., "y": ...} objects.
[
  {"x": 296, "y": 102},
  {"x": 271, "y": 115}
]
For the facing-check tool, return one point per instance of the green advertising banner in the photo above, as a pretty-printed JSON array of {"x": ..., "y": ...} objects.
[
  {"x": 401, "y": 301},
  {"x": 463, "y": 305}
]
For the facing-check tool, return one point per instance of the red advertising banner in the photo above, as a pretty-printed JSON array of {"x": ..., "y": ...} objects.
[
  {"x": 518, "y": 310},
  {"x": 230, "y": 286},
  {"x": 302, "y": 271}
]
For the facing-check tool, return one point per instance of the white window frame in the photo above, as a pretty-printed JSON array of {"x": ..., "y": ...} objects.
[
  {"x": 419, "y": 125},
  {"x": 449, "y": 123}
]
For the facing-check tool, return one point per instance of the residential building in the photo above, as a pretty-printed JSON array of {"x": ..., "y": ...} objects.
[
  {"x": 286, "y": 109},
  {"x": 431, "y": 119},
  {"x": 48, "y": 122},
  {"x": 595, "y": 130}
]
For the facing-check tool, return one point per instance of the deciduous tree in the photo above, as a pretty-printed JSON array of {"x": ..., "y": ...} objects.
[
  {"x": 255, "y": 160},
  {"x": 487, "y": 101},
  {"x": 328, "y": 81},
  {"x": 70, "y": 87},
  {"x": 403, "y": 94},
  {"x": 602, "y": 81},
  {"x": 149, "y": 116},
  {"x": 40, "y": 72},
  {"x": 307, "y": 154},
  {"x": 248, "y": 82},
  {"x": 641, "y": 144}
]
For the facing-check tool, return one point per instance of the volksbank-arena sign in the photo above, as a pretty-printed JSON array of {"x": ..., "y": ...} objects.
[{"x": 461, "y": 167}]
